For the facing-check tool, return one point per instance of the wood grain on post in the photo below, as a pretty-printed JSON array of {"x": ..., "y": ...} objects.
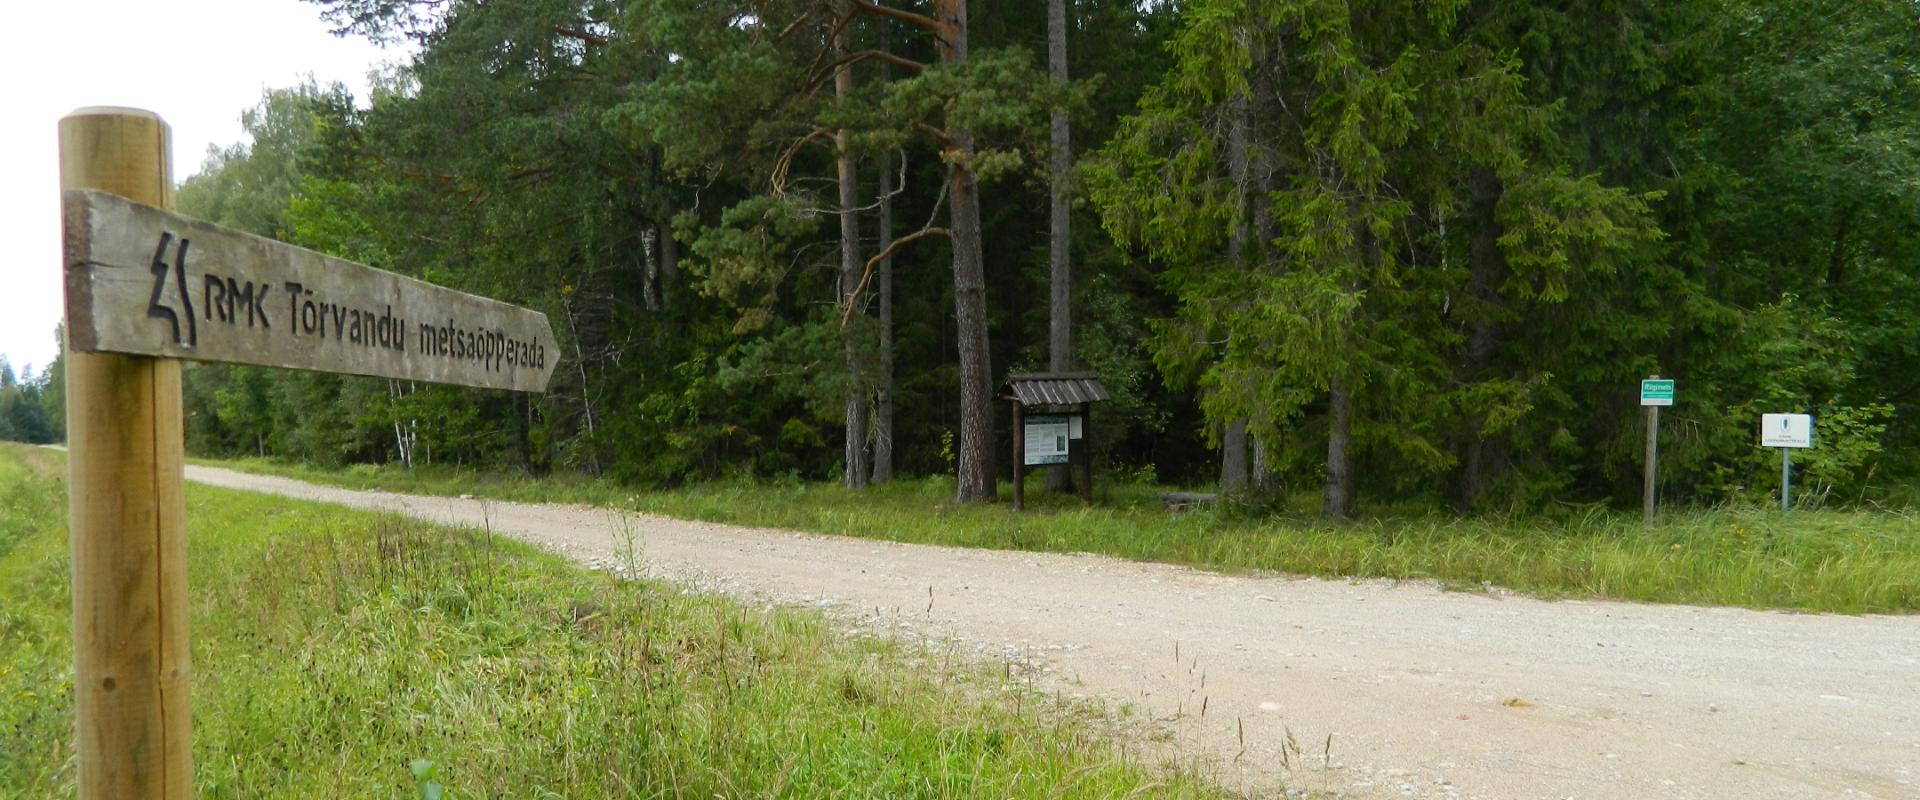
[
  {"x": 1086, "y": 446},
  {"x": 1019, "y": 456},
  {"x": 127, "y": 511},
  {"x": 1648, "y": 484}
]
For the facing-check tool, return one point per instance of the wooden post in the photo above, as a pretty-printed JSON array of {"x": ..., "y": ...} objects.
[
  {"x": 1086, "y": 444},
  {"x": 1653, "y": 455},
  {"x": 1019, "y": 457},
  {"x": 126, "y": 511}
]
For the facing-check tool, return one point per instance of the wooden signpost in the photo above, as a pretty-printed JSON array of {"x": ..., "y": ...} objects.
[
  {"x": 1654, "y": 393},
  {"x": 146, "y": 287}
]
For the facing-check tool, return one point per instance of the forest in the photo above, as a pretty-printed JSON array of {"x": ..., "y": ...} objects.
[{"x": 1358, "y": 251}]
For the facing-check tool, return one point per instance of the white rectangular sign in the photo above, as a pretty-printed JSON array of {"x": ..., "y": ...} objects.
[
  {"x": 1786, "y": 430},
  {"x": 1046, "y": 439}
]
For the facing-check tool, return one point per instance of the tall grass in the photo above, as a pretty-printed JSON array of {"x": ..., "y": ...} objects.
[
  {"x": 36, "y": 651},
  {"x": 1841, "y": 561},
  {"x": 334, "y": 648}
]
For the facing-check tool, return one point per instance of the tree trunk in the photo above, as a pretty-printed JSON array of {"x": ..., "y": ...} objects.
[
  {"x": 1264, "y": 481},
  {"x": 883, "y": 389},
  {"x": 1060, "y": 272},
  {"x": 1837, "y": 255},
  {"x": 1484, "y": 263},
  {"x": 1340, "y": 403},
  {"x": 976, "y": 479},
  {"x": 649, "y": 270},
  {"x": 669, "y": 257},
  {"x": 586, "y": 396},
  {"x": 1233, "y": 443},
  {"x": 851, "y": 266},
  {"x": 1233, "y": 458},
  {"x": 1060, "y": 312},
  {"x": 1260, "y": 180},
  {"x": 402, "y": 440},
  {"x": 522, "y": 438},
  {"x": 1338, "y": 500}
]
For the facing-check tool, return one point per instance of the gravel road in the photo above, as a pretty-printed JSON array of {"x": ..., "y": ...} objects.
[{"x": 1388, "y": 689}]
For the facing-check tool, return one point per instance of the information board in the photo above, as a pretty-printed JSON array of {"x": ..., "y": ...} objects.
[{"x": 1046, "y": 438}]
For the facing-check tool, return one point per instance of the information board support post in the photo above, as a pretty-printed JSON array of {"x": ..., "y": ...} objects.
[
  {"x": 126, "y": 511},
  {"x": 1786, "y": 479},
  {"x": 1019, "y": 457},
  {"x": 1086, "y": 457},
  {"x": 1653, "y": 460}
]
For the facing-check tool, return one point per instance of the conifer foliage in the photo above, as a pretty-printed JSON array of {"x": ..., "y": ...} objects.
[{"x": 1363, "y": 249}]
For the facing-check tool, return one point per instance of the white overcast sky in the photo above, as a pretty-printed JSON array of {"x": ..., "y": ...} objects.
[{"x": 197, "y": 63}]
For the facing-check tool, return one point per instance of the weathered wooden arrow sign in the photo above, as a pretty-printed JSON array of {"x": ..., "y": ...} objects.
[{"x": 145, "y": 281}]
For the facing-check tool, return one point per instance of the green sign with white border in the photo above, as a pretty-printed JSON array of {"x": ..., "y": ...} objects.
[{"x": 1656, "y": 393}]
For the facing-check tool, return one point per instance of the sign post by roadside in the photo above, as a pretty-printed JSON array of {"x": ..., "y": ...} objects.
[
  {"x": 1789, "y": 432},
  {"x": 1654, "y": 393},
  {"x": 145, "y": 288},
  {"x": 126, "y": 511}
]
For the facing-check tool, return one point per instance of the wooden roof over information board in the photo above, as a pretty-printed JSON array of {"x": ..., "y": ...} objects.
[{"x": 1055, "y": 388}]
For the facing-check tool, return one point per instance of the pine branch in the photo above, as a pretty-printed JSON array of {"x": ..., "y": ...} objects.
[
  {"x": 851, "y": 58},
  {"x": 946, "y": 142},
  {"x": 575, "y": 33},
  {"x": 785, "y": 163},
  {"x": 917, "y": 20},
  {"x": 792, "y": 26},
  {"x": 852, "y": 299}
]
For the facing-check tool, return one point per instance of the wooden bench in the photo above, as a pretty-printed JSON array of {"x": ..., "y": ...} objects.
[{"x": 1177, "y": 502}]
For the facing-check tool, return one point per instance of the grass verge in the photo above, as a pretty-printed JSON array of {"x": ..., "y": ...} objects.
[
  {"x": 1838, "y": 561},
  {"x": 334, "y": 648}
]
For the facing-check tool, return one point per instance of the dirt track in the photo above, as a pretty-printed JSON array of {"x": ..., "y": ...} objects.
[{"x": 1425, "y": 693}]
